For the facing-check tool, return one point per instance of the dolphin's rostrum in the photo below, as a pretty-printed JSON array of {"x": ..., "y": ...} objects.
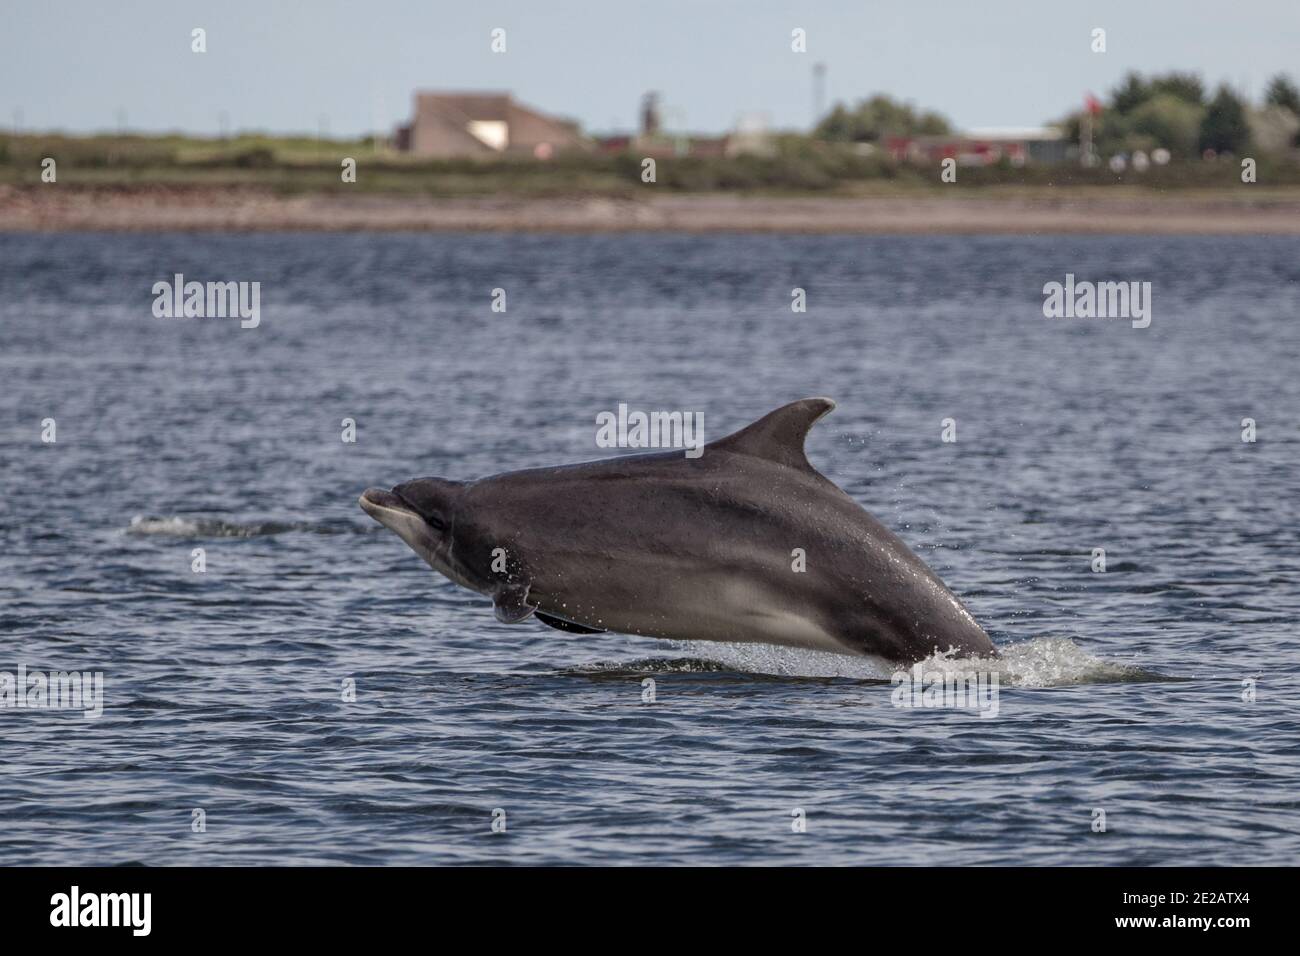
[{"x": 746, "y": 543}]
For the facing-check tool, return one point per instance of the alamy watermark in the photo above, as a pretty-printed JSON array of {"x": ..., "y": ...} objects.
[
  {"x": 966, "y": 690},
  {"x": 57, "y": 690},
  {"x": 130, "y": 910},
  {"x": 179, "y": 299},
  {"x": 636, "y": 429},
  {"x": 1098, "y": 300}
]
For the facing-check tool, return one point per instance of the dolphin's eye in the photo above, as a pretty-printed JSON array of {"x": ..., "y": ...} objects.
[{"x": 429, "y": 498}]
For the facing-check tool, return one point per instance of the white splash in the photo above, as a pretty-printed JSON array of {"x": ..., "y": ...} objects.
[
  {"x": 180, "y": 527},
  {"x": 786, "y": 661},
  {"x": 1040, "y": 662}
]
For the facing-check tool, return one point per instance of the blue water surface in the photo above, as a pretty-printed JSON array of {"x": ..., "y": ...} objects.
[{"x": 1127, "y": 692}]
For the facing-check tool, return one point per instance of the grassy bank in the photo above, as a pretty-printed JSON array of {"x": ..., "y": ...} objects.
[{"x": 305, "y": 165}]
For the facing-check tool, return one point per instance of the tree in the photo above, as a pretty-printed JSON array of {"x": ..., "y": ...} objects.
[
  {"x": 1184, "y": 86},
  {"x": 1224, "y": 128},
  {"x": 1130, "y": 94},
  {"x": 876, "y": 117},
  {"x": 1282, "y": 92},
  {"x": 1169, "y": 121},
  {"x": 838, "y": 125},
  {"x": 1134, "y": 91}
]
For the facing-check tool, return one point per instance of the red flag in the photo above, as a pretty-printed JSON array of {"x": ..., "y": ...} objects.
[{"x": 1091, "y": 104}]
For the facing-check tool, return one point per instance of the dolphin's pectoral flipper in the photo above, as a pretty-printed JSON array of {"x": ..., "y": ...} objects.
[
  {"x": 560, "y": 624},
  {"x": 779, "y": 435},
  {"x": 511, "y": 603}
]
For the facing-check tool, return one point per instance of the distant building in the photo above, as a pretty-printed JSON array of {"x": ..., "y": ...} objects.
[
  {"x": 751, "y": 137},
  {"x": 455, "y": 125},
  {"x": 619, "y": 143},
  {"x": 982, "y": 147}
]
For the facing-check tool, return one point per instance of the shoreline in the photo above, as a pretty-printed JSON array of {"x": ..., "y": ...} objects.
[{"x": 227, "y": 209}]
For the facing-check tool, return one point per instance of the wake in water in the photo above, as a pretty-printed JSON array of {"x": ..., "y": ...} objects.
[
  {"x": 1041, "y": 662},
  {"x": 177, "y": 526}
]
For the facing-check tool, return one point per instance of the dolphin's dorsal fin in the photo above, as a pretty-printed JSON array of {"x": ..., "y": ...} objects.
[{"x": 779, "y": 436}]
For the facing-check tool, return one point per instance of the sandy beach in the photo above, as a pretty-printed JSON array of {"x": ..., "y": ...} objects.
[{"x": 155, "y": 208}]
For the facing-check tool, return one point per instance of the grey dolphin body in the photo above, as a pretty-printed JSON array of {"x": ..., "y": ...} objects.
[{"x": 688, "y": 549}]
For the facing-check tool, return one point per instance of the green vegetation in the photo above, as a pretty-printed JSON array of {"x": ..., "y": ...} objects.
[
  {"x": 798, "y": 165},
  {"x": 1282, "y": 92},
  {"x": 843, "y": 156},
  {"x": 877, "y": 117},
  {"x": 1134, "y": 90},
  {"x": 1172, "y": 112},
  {"x": 1224, "y": 128}
]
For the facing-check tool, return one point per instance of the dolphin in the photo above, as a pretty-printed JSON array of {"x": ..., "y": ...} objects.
[{"x": 746, "y": 542}]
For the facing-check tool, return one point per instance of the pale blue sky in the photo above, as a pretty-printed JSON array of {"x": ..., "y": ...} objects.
[{"x": 281, "y": 66}]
